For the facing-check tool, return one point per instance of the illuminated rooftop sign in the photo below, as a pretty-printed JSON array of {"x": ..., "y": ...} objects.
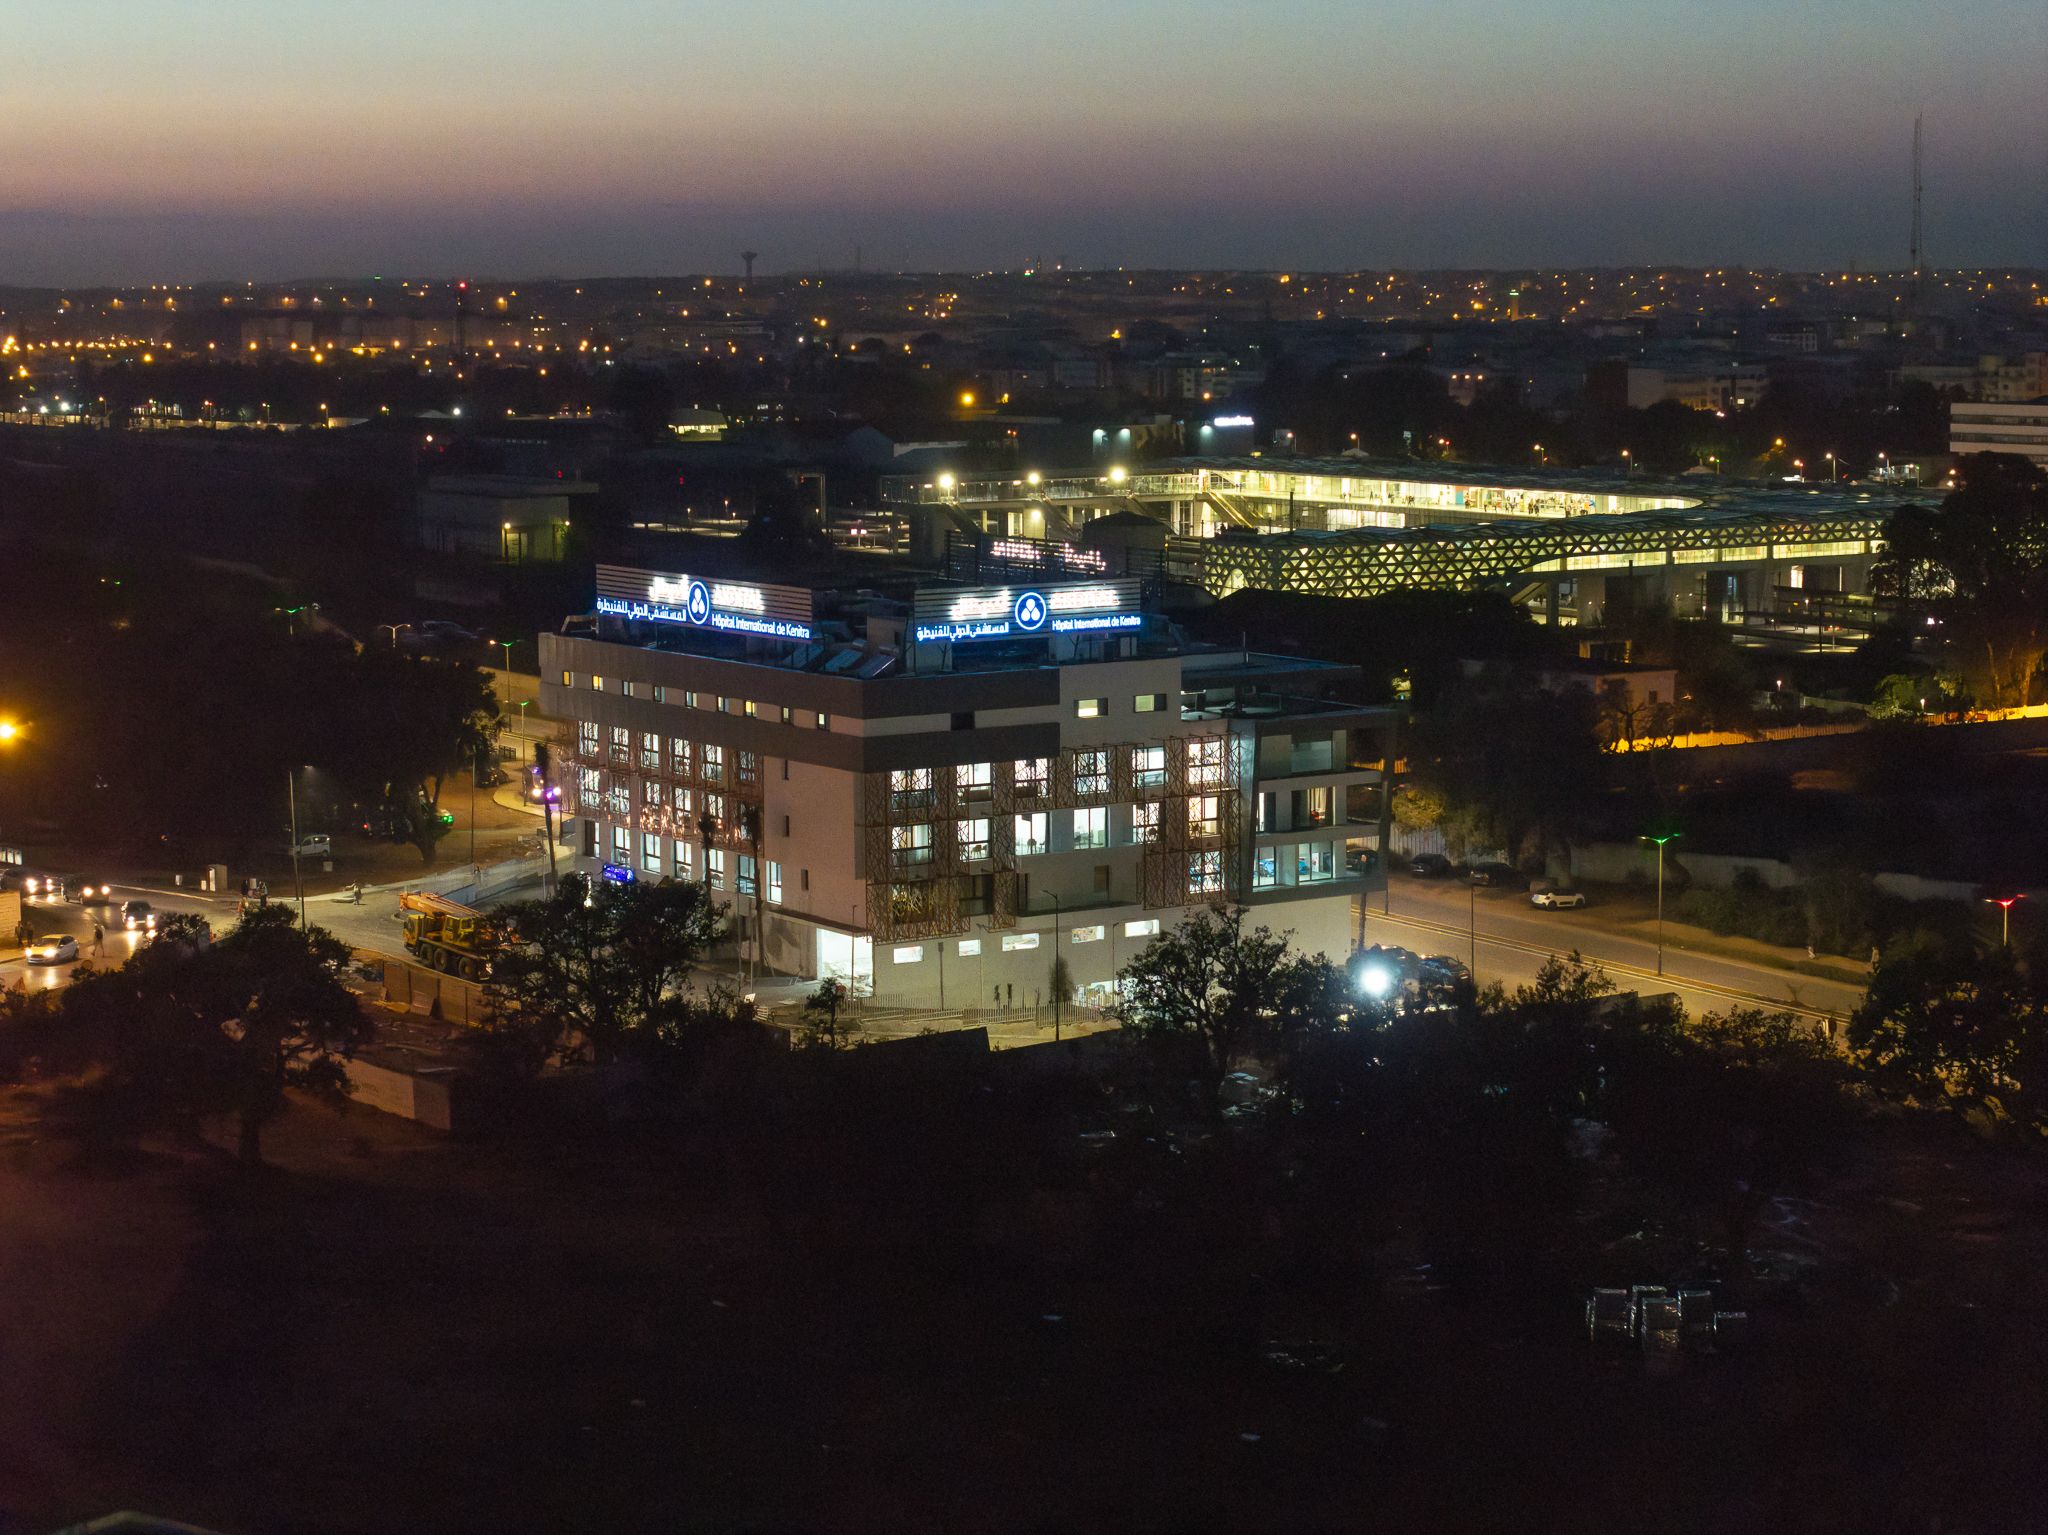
[
  {"x": 734, "y": 607},
  {"x": 1020, "y": 612}
]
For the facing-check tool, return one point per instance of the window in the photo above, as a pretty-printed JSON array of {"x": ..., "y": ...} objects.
[
  {"x": 1265, "y": 869},
  {"x": 910, "y": 788},
  {"x": 1205, "y": 873},
  {"x": 974, "y": 779},
  {"x": 1315, "y": 861},
  {"x": 1090, "y": 708},
  {"x": 1088, "y": 934},
  {"x": 963, "y": 719},
  {"x": 681, "y": 799},
  {"x": 714, "y": 806},
  {"x": 1205, "y": 762},
  {"x": 774, "y": 883},
  {"x": 1203, "y": 815},
  {"x": 586, "y": 738},
  {"x": 1091, "y": 772},
  {"x": 1091, "y": 828},
  {"x": 679, "y": 757},
  {"x": 660, "y": 693},
  {"x": 973, "y": 839},
  {"x": 1031, "y": 774},
  {"x": 650, "y": 793},
  {"x": 1014, "y": 941},
  {"x": 1266, "y": 817},
  {"x": 911, "y": 844},
  {"x": 1030, "y": 831},
  {"x": 907, "y": 953},
  {"x": 714, "y": 867},
  {"x": 750, "y": 768},
  {"x": 1144, "y": 927},
  {"x": 686, "y": 855},
  {"x": 803, "y": 879},
  {"x": 620, "y": 795},
  {"x": 650, "y": 851},
  {"x": 590, "y": 785},
  {"x": 622, "y": 845},
  {"x": 650, "y": 751},
  {"x": 969, "y": 947},
  {"x": 689, "y": 699},
  {"x": 1311, "y": 807},
  {"x": 714, "y": 763},
  {"x": 1145, "y": 822},
  {"x": 1148, "y": 767},
  {"x": 748, "y": 710},
  {"x": 746, "y": 874},
  {"x": 1149, "y": 703},
  {"x": 622, "y": 744},
  {"x": 568, "y": 679},
  {"x": 824, "y": 721},
  {"x": 724, "y": 704},
  {"x": 596, "y": 684}
]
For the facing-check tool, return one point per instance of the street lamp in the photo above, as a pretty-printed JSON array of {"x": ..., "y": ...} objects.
[
  {"x": 291, "y": 797},
  {"x": 1626, "y": 463},
  {"x": 10, "y": 732},
  {"x": 394, "y": 628},
  {"x": 1669, "y": 836},
  {"x": 2004, "y": 903},
  {"x": 1831, "y": 467},
  {"x": 506, "y": 646}
]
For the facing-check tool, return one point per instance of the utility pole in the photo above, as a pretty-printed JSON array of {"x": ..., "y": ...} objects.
[
  {"x": 1058, "y": 919},
  {"x": 291, "y": 799},
  {"x": 543, "y": 762},
  {"x": 1919, "y": 253}
]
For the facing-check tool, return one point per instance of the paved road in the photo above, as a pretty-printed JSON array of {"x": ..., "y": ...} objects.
[{"x": 1514, "y": 939}]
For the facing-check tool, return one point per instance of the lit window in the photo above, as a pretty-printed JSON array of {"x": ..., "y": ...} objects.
[
  {"x": 622, "y": 845},
  {"x": 714, "y": 763},
  {"x": 1091, "y": 828},
  {"x": 1265, "y": 869},
  {"x": 660, "y": 693},
  {"x": 1144, "y": 927},
  {"x": 1145, "y": 822},
  {"x": 750, "y": 768},
  {"x": 747, "y": 708},
  {"x": 969, "y": 947},
  {"x": 596, "y": 684},
  {"x": 586, "y": 737},
  {"x": 1031, "y": 774},
  {"x": 678, "y": 757},
  {"x": 622, "y": 744},
  {"x": 974, "y": 779},
  {"x": 1203, "y": 813},
  {"x": 907, "y": 953},
  {"x": 824, "y": 722},
  {"x": 568, "y": 679},
  {"x": 1090, "y": 708},
  {"x": 619, "y": 796},
  {"x": 590, "y": 783},
  {"x": 1014, "y": 941},
  {"x": 972, "y": 836},
  {"x": 650, "y": 751},
  {"x": 714, "y": 806},
  {"x": 686, "y": 855},
  {"x": 714, "y": 867},
  {"x": 774, "y": 883},
  {"x": 1091, "y": 772},
  {"x": 1148, "y": 767},
  {"x": 1030, "y": 832},
  {"x": 1205, "y": 762},
  {"x": 911, "y": 844},
  {"x": 650, "y": 851},
  {"x": 1149, "y": 703},
  {"x": 1092, "y": 934},
  {"x": 746, "y": 874},
  {"x": 1205, "y": 873},
  {"x": 681, "y": 799}
]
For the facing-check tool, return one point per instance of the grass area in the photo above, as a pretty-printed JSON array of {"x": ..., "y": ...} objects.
[{"x": 386, "y": 1332}]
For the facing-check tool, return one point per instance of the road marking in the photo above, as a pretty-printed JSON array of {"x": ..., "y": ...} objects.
[{"x": 1712, "y": 988}]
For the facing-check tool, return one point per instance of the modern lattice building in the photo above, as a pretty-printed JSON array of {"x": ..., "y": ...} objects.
[{"x": 934, "y": 799}]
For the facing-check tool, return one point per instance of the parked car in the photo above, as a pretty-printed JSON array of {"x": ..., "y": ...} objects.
[
  {"x": 1489, "y": 876},
  {"x": 1558, "y": 900},
  {"x": 1362, "y": 860},
  {"x": 137, "y": 916},
  {"x": 1429, "y": 866},
  {"x": 52, "y": 949},
  {"x": 314, "y": 844},
  {"x": 489, "y": 775}
]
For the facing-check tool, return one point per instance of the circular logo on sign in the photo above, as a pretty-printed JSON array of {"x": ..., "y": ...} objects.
[
  {"x": 1030, "y": 611},
  {"x": 697, "y": 603}
]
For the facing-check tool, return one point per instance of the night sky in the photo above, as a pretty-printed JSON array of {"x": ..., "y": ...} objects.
[{"x": 192, "y": 139}]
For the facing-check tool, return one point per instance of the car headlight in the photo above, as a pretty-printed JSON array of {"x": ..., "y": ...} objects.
[
  {"x": 1376, "y": 980},
  {"x": 33, "y": 886}
]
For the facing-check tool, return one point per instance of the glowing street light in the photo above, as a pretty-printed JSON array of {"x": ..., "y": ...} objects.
[
  {"x": 1670, "y": 836},
  {"x": 10, "y": 732},
  {"x": 2004, "y": 903}
]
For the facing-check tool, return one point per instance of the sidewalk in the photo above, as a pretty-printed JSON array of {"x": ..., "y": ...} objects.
[{"x": 1616, "y": 914}]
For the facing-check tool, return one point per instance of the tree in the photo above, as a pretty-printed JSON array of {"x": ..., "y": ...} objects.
[
  {"x": 821, "y": 1024},
  {"x": 597, "y": 969},
  {"x": 1979, "y": 565},
  {"x": 1514, "y": 766},
  {"x": 191, "y": 1026},
  {"x": 1212, "y": 992},
  {"x": 1944, "y": 1019},
  {"x": 411, "y": 722}
]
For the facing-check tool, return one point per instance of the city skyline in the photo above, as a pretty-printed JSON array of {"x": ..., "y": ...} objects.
[{"x": 624, "y": 139}]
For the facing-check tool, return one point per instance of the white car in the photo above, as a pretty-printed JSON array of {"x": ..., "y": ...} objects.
[
  {"x": 52, "y": 949},
  {"x": 315, "y": 845},
  {"x": 1558, "y": 900}
]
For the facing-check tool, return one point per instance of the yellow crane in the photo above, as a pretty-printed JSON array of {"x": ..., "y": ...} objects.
[{"x": 445, "y": 935}]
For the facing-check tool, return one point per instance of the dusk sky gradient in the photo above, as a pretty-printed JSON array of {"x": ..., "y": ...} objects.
[{"x": 153, "y": 140}]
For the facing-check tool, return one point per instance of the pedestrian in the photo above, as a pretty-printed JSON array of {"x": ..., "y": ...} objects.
[
  {"x": 355, "y": 892},
  {"x": 1809, "y": 951},
  {"x": 1873, "y": 956},
  {"x": 99, "y": 939}
]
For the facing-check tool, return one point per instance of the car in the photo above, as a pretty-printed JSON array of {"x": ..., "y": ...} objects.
[
  {"x": 1558, "y": 900},
  {"x": 1361, "y": 860},
  {"x": 1429, "y": 866},
  {"x": 92, "y": 892},
  {"x": 489, "y": 775},
  {"x": 137, "y": 916},
  {"x": 314, "y": 845},
  {"x": 49, "y": 887},
  {"x": 1488, "y": 876},
  {"x": 52, "y": 949}
]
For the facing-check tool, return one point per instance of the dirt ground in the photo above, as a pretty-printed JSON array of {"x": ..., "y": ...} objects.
[{"x": 389, "y": 1332}]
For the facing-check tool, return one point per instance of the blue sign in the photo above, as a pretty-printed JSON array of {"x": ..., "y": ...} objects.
[
  {"x": 619, "y": 874},
  {"x": 1030, "y": 612}
]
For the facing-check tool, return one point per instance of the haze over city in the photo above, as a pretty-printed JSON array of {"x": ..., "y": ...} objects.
[{"x": 228, "y": 141}]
